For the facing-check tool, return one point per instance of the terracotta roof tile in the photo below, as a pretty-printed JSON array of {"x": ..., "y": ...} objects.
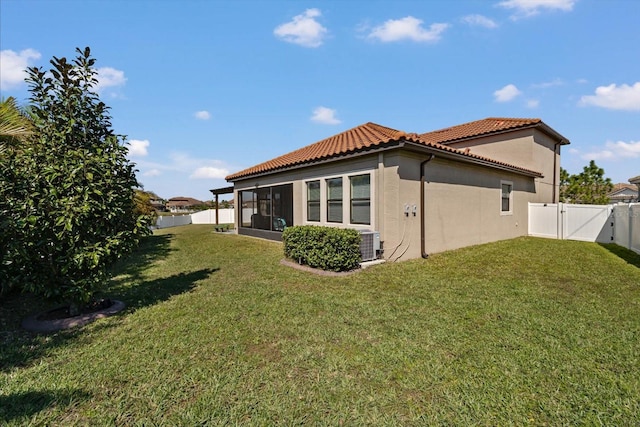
[
  {"x": 371, "y": 135},
  {"x": 620, "y": 189},
  {"x": 477, "y": 128},
  {"x": 360, "y": 138}
]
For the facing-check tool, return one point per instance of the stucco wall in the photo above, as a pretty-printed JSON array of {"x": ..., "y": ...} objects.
[
  {"x": 354, "y": 166},
  {"x": 527, "y": 148},
  {"x": 463, "y": 208},
  {"x": 462, "y": 201}
]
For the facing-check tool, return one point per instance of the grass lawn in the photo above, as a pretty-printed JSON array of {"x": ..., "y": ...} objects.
[{"x": 217, "y": 332}]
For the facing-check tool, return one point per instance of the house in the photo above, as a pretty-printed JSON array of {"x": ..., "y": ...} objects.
[
  {"x": 158, "y": 204},
  {"x": 623, "y": 193},
  {"x": 636, "y": 181},
  {"x": 422, "y": 193},
  {"x": 183, "y": 204}
]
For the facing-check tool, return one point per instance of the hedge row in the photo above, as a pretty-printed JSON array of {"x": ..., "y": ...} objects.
[{"x": 327, "y": 248}]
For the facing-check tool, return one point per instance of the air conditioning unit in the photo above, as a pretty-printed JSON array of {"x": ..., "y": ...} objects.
[{"x": 370, "y": 245}]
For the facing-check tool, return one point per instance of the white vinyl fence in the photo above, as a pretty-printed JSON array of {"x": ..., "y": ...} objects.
[
  {"x": 209, "y": 217},
  {"x": 167, "y": 221},
  {"x": 591, "y": 223},
  {"x": 202, "y": 217},
  {"x": 627, "y": 226}
]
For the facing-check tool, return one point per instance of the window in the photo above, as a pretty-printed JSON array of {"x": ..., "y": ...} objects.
[
  {"x": 506, "y": 199},
  {"x": 313, "y": 201},
  {"x": 334, "y": 200},
  {"x": 268, "y": 208},
  {"x": 360, "y": 199},
  {"x": 248, "y": 204}
]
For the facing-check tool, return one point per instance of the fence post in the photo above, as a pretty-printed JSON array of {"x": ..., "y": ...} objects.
[
  {"x": 630, "y": 219},
  {"x": 560, "y": 222}
]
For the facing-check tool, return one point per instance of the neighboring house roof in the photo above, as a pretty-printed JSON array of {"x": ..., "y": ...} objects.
[
  {"x": 183, "y": 201},
  {"x": 488, "y": 126},
  {"x": 623, "y": 192},
  {"x": 362, "y": 138},
  {"x": 635, "y": 180}
]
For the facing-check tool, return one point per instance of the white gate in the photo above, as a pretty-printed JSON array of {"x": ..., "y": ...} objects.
[
  {"x": 618, "y": 224},
  {"x": 589, "y": 223}
]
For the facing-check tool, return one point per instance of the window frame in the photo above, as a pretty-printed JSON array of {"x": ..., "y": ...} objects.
[
  {"x": 268, "y": 209},
  {"x": 316, "y": 203},
  {"x": 334, "y": 202},
  {"x": 346, "y": 198},
  {"x": 509, "y": 199},
  {"x": 353, "y": 199}
]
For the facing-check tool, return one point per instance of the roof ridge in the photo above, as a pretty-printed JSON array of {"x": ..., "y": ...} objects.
[{"x": 371, "y": 135}]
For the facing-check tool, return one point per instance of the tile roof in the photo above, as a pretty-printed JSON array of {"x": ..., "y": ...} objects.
[
  {"x": 623, "y": 191},
  {"x": 360, "y": 138},
  {"x": 371, "y": 135},
  {"x": 183, "y": 201},
  {"x": 622, "y": 186},
  {"x": 482, "y": 127}
]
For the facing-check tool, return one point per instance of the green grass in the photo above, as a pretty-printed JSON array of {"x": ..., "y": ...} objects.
[{"x": 218, "y": 332}]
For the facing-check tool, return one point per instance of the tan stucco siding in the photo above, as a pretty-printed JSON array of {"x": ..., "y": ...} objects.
[
  {"x": 400, "y": 233},
  {"x": 528, "y": 148},
  {"x": 299, "y": 177},
  {"x": 462, "y": 201},
  {"x": 463, "y": 205}
]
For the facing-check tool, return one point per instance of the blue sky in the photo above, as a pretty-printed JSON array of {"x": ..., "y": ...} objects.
[{"x": 206, "y": 88}]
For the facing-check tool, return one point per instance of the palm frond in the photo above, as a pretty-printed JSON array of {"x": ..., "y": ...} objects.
[{"x": 14, "y": 124}]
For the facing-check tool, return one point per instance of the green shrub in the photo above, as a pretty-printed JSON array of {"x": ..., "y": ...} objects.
[
  {"x": 67, "y": 210},
  {"x": 327, "y": 248}
]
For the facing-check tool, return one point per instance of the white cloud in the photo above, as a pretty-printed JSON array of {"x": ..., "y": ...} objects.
[
  {"x": 623, "y": 97},
  {"x": 526, "y": 8},
  {"x": 533, "y": 103},
  {"x": 552, "y": 83},
  {"x": 109, "y": 77},
  {"x": 598, "y": 155},
  {"x": 507, "y": 93},
  {"x": 325, "y": 115},
  {"x": 183, "y": 164},
  {"x": 138, "y": 148},
  {"x": 303, "y": 30},
  {"x": 615, "y": 151},
  {"x": 13, "y": 67},
  {"x": 408, "y": 28},
  {"x": 209, "y": 172},
  {"x": 202, "y": 115},
  {"x": 479, "y": 20}
]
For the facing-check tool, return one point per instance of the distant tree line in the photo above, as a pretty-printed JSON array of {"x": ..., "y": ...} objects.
[{"x": 587, "y": 187}]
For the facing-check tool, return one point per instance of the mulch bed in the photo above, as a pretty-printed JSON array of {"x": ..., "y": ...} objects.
[{"x": 58, "y": 318}]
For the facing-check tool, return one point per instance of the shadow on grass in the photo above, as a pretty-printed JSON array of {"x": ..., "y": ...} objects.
[
  {"x": 626, "y": 254},
  {"x": 130, "y": 285},
  {"x": 151, "y": 249},
  {"x": 20, "y": 348},
  {"x": 155, "y": 291},
  {"x": 26, "y": 404}
]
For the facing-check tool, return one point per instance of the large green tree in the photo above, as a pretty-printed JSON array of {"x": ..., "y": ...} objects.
[
  {"x": 67, "y": 196},
  {"x": 588, "y": 187},
  {"x": 15, "y": 129}
]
